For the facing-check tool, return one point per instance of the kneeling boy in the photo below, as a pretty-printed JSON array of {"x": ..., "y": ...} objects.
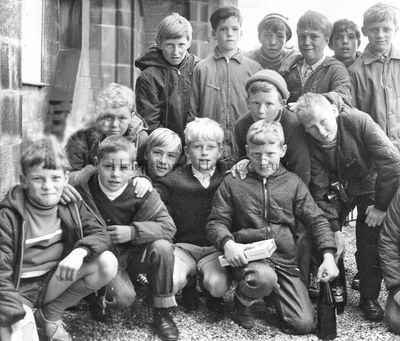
[
  {"x": 51, "y": 255},
  {"x": 141, "y": 228},
  {"x": 265, "y": 205}
]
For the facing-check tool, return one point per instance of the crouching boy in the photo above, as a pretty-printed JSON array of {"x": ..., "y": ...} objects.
[
  {"x": 265, "y": 205},
  {"x": 141, "y": 229},
  {"x": 51, "y": 255}
]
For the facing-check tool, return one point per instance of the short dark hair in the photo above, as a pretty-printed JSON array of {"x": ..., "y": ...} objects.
[
  {"x": 47, "y": 152},
  {"x": 114, "y": 144},
  {"x": 317, "y": 21},
  {"x": 224, "y": 13},
  {"x": 343, "y": 25}
]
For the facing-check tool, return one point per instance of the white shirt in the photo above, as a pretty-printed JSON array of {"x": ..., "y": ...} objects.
[
  {"x": 112, "y": 195},
  {"x": 204, "y": 179},
  {"x": 306, "y": 70}
]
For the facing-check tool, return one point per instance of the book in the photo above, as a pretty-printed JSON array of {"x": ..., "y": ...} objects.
[{"x": 257, "y": 250}]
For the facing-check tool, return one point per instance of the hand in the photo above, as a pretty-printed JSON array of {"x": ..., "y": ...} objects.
[
  {"x": 142, "y": 186},
  {"x": 340, "y": 245},
  {"x": 328, "y": 269},
  {"x": 397, "y": 298},
  {"x": 70, "y": 194},
  {"x": 292, "y": 106},
  {"x": 234, "y": 253},
  {"x": 68, "y": 268},
  {"x": 289, "y": 62},
  {"x": 374, "y": 217},
  {"x": 241, "y": 168},
  {"x": 120, "y": 233}
]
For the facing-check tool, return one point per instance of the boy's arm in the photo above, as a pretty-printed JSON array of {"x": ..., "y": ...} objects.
[
  {"x": 389, "y": 245},
  {"x": 11, "y": 309},
  {"x": 77, "y": 152},
  {"x": 148, "y": 101},
  {"x": 340, "y": 83}
]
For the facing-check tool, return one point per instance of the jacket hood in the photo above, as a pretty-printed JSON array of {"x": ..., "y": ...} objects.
[
  {"x": 153, "y": 57},
  {"x": 14, "y": 200}
]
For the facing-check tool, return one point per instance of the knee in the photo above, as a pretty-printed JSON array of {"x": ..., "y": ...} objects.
[
  {"x": 107, "y": 267},
  {"x": 180, "y": 281},
  {"x": 304, "y": 324},
  {"x": 217, "y": 285},
  {"x": 392, "y": 314},
  {"x": 120, "y": 291},
  {"x": 266, "y": 281},
  {"x": 161, "y": 248}
]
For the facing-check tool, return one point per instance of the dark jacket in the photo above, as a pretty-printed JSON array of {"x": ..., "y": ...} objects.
[
  {"x": 163, "y": 91},
  {"x": 389, "y": 245},
  {"x": 297, "y": 157},
  {"x": 369, "y": 163},
  {"x": 188, "y": 202},
  {"x": 150, "y": 218},
  {"x": 80, "y": 229},
  {"x": 82, "y": 146},
  {"x": 331, "y": 76},
  {"x": 258, "y": 208}
]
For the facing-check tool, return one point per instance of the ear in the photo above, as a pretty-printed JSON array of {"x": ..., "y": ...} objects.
[
  {"x": 185, "y": 149},
  {"x": 220, "y": 150},
  {"x": 66, "y": 176},
  {"x": 283, "y": 150},
  {"x": 22, "y": 180},
  {"x": 283, "y": 102},
  {"x": 335, "y": 110},
  {"x": 364, "y": 31},
  {"x": 247, "y": 150},
  {"x": 96, "y": 161},
  {"x": 213, "y": 35}
]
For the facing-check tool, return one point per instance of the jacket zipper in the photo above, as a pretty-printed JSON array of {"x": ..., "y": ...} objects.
[
  {"x": 265, "y": 208},
  {"x": 22, "y": 255},
  {"x": 79, "y": 222}
]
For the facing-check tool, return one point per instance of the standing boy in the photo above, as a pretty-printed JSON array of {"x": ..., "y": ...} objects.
[
  {"x": 141, "y": 229},
  {"x": 375, "y": 75},
  {"x": 51, "y": 255},
  {"x": 265, "y": 205},
  {"x": 316, "y": 72},
  {"x": 187, "y": 191},
  {"x": 352, "y": 163},
  {"x": 163, "y": 88},
  {"x": 218, "y": 90},
  {"x": 273, "y": 33}
]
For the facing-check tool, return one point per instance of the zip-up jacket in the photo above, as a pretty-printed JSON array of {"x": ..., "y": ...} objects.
[
  {"x": 163, "y": 91},
  {"x": 259, "y": 208},
  {"x": 150, "y": 218},
  {"x": 330, "y": 77},
  {"x": 80, "y": 229},
  {"x": 369, "y": 163}
]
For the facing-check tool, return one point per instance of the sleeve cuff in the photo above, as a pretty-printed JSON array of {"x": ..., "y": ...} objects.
[
  {"x": 133, "y": 233},
  {"x": 335, "y": 225}
]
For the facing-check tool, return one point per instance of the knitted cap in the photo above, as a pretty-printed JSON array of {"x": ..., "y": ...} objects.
[
  {"x": 270, "y": 76},
  {"x": 276, "y": 16}
]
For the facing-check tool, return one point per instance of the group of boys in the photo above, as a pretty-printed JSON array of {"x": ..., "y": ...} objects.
[{"x": 216, "y": 110}]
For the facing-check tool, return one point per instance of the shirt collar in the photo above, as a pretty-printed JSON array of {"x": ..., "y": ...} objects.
[
  {"x": 237, "y": 56},
  {"x": 314, "y": 66},
  {"x": 369, "y": 57},
  {"x": 204, "y": 179},
  {"x": 109, "y": 194}
]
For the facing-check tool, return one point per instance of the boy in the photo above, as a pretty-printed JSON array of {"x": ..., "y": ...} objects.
[
  {"x": 218, "y": 90},
  {"x": 115, "y": 108},
  {"x": 273, "y": 33},
  {"x": 344, "y": 41},
  {"x": 187, "y": 191},
  {"x": 316, "y": 72},
  {"x": 267, "y": 94},
  {"x": 353, "y": 164},
  {"x": 374, "y": 76},
  {"x": 51, "y": 255},
  {"x": 163, "y": 88},
  {"x": 389, "y": 255},
  {"x": 265, "y": 205},
  {"x": 140, "y": 228},
  {"x": 162, "y": 151}
]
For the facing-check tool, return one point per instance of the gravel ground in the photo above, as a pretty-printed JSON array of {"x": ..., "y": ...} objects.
[{"x": 134, "y": 323}]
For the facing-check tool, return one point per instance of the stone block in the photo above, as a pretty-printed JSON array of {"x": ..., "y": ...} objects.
[
  {"x": 124, "y": 50},
  {"x": 108, "y": 45},
  {"x": 108, "y": 16},
  {"x": 10, "y": 121},
  {"x": 5, "y": 65},
  {"x": 124, "y": 73},
  {"x": 10, "y": 169},
  {"x": 10, "y": 19}
]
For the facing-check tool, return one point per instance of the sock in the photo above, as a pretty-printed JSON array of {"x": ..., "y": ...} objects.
[{"x": 54, "y": 310}]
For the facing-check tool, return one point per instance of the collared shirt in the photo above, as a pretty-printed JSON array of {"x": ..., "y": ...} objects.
[
  {"x": 306, "y": 69},
  {"x": 203, "y": 178}
]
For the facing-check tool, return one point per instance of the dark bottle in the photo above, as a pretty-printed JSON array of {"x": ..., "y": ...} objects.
[
  {"x": 326, "y": 327},
  {"x": 339, "y": 288}
]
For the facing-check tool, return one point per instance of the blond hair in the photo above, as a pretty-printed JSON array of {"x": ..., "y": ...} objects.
[
  {"x": 203, "y": 129},
  {"x": 264, "y": 132}
]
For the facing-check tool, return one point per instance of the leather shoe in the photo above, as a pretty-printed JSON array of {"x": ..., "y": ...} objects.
[
  {"x": 242, "y": 315},
  {"x": 355, "y": 283},
  {"x": 214, "y": 304},
  {"x": 190, "y": 298},
  {"x": 164, "y": 326},
  {"x": 371, "y": 309}
]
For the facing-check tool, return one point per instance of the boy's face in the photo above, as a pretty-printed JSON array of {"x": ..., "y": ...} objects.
[
  {"x": 272, "y": 43},
  {"x": 115, "y": 121},
  {"x": 265, "y": 158},
  {"x": 174, "y": 50},
  {"x": 228, "y": 34},
  {"x": 203, "y": 154},
  {"x": 115, "y": 170},
  {"x": 264, "y": 105},
  {"x": 311, "y": 44},
  {"x": 44, "y": 186},
  {"x": 321, "y": 123},
  {"x": 380, "y": 35},
  {"x": 161, "y": 160},
  {"x": 344, "y": 44}
]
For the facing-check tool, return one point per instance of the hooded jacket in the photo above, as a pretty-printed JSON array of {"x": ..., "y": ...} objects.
[
  {"x": 369, "y": 163},
  {"x": 82, "y": 147},
  {"x": 163, "y": 91},
  {"x": 80, "y": 229},
  {"x": 329, "y": 77},
  {"x": 259, "y": 208}
]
